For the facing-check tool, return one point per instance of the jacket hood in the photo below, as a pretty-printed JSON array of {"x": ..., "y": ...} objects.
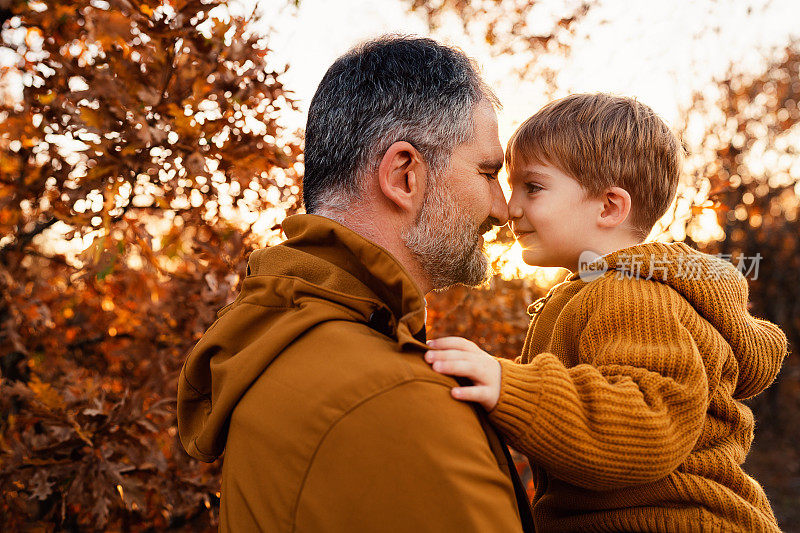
[
  {"x": 718, "y": 291},
  {"x": 323, "y": 271}
]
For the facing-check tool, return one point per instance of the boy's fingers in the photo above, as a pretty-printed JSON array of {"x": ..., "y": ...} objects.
[
  {"x": 445, "y": 355},
  {"x": 470, "y": 394},
  {"x": 456, "y": 368},
  {"x": 451, "y": 343}
]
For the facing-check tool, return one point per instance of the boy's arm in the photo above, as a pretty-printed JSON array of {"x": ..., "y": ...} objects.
[{"x": 629, "y": 416}]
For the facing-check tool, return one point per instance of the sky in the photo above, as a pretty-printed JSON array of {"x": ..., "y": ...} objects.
[{"x": 658, "y": 52}]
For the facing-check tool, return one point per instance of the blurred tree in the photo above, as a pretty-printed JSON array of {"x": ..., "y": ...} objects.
[
  {"x": 743, "y": 162},
  {"x": 537, "y": 34},
  {"x": 743, "y": 140},
  {"x": 139, "y": 127}
]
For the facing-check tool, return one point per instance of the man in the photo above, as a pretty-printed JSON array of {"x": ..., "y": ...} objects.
[{"x": 313, "y": 379}]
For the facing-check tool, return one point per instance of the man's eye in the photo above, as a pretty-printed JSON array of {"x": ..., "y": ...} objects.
[{"x": 489, "y": 176}]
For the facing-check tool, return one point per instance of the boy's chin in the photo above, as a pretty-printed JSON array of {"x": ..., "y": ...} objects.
[{"x": 539, "y": 259}]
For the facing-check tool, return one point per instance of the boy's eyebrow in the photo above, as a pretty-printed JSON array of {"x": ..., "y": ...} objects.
[{"x": 534, "y": 174}]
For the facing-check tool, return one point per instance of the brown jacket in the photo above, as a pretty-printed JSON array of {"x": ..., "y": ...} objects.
[
  {"x": 313, "y": 383},
  {"x": 628, "y": 396}
]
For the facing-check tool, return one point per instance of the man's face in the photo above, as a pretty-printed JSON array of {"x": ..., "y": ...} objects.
[{"x": 465, "y": 202}]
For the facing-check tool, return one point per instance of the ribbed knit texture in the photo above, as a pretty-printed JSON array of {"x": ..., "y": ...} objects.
[{"x": 626, "y": 398}]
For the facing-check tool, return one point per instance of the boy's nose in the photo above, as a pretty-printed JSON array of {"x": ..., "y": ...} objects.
[{"x": 514, "y": 209}]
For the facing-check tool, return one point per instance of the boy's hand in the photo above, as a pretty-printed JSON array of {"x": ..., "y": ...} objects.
[{"x": 456, "y": 356}]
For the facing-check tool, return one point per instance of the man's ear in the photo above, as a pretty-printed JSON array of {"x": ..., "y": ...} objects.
[
  {"x": 402, "y": 176},
  {"x": 616, "y": 207}
]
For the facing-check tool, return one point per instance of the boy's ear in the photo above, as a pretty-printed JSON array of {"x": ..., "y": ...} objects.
[
  {"x": 402, "y": 176},
  {"x": 616, "y": 207}
]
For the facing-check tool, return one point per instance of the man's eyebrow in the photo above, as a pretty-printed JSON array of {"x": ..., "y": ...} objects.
[{"x": 493, "y": 165}]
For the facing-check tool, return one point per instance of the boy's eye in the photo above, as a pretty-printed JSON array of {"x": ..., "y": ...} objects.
[{"x": 532, "y": 187}]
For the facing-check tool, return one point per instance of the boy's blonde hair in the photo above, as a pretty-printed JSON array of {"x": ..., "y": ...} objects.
[{"x": 605, "y": 141}]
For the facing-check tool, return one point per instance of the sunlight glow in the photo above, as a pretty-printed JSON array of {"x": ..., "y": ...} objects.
[{"x": 509, "y": 264}]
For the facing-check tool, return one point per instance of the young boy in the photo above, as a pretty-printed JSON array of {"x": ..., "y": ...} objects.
[{"x": 627, "y": 395}]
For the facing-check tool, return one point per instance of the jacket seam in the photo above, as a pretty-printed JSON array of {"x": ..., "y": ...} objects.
[
  {"x": 373, "y": 301},
  {"x": 289, "y": 306},
  {"x": 195, "y": 389},
  {"x": 296, "y": 505}
]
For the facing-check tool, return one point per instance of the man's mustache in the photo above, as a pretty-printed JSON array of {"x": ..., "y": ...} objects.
[{"x": 486, "y": 226}]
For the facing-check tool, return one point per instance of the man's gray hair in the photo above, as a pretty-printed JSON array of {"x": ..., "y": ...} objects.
[{"x": 386, "y": 90}]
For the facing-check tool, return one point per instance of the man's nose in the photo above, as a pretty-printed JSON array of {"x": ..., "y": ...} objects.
[{"x": 499, "y": 212}]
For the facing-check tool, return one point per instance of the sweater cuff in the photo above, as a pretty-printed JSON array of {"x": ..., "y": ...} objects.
[{"x": 519, "y": 392}]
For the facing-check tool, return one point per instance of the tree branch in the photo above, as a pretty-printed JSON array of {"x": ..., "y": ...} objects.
[{"x": 23, "y": 239}]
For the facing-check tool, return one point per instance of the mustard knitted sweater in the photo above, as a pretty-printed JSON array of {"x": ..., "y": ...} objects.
[{"x": 626, "y": 398}]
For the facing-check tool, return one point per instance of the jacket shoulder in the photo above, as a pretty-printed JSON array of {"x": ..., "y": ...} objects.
[
  {"x": 339, "y": 371},
  {"x": 346, "y": 352},
  {"x": 409, "y": 456},
  {"x": 321, "y": 376}
]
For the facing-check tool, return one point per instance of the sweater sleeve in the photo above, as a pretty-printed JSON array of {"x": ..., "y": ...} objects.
[{"x": 630, "y": 411}]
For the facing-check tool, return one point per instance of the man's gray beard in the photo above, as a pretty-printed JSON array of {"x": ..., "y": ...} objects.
[{"x": 447, "y": 243}]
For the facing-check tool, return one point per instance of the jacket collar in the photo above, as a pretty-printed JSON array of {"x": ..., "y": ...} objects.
[{"x": 339, "y": 260}]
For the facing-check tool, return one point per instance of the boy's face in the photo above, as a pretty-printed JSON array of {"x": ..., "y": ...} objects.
[{"x": 551, "y": 215}]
